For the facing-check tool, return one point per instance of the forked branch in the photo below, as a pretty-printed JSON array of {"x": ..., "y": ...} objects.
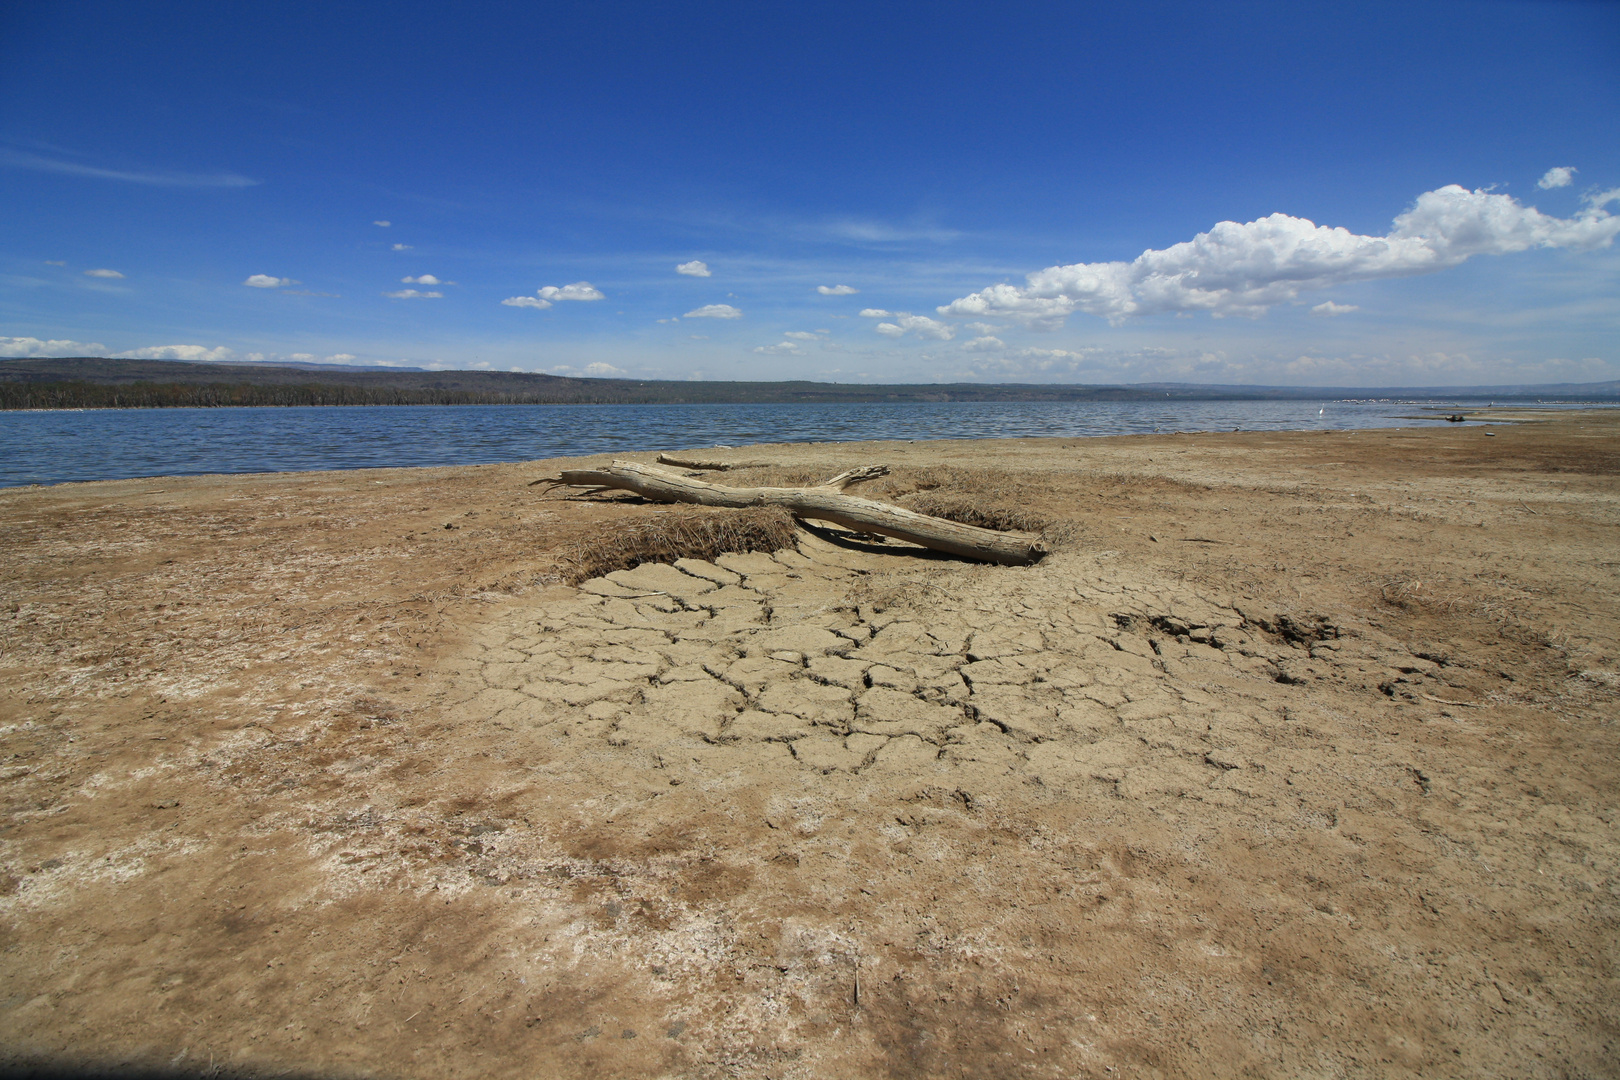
[{"x": 826, "y": 502}]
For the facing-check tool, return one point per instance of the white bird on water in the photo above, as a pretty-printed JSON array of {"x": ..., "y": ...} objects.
[{"x": 1322, "y": 410}]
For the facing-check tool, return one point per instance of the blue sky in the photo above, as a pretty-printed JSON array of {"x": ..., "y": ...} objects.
[{"x": 1391, "y": 173}]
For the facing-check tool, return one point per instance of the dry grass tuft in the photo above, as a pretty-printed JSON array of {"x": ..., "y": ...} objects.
[
  {"x": 1410, "y": 594},
  {"x": 770, "y": 476},
  {"x": 934, "y": 477},
  {"x": 684, "y": 533},
  {"x": 986, "y": 515}
]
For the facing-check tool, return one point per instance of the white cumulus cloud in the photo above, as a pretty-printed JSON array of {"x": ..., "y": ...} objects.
[
  {"x": 341, "y": 358},
  {"x": 103, "y": 273},
  {"x": 921, "y": 325},
  {"x": 600, "y": 369},
  {"x": 579, "y": 290},
  {"x": 786, "y": 348},
  {"x": 714, "y": 311},
  {"x": 425, "y": 279},
  {"x": 988, "y": 343},
  {"x": 801, "y": 335},
  {"x": 1558, "y": 176},
  {"x": 836, "y": 290},
  {"x": 1328, "y": 307},
  {"x": 875, "y": 313},
  {"x": 413, "y": 294},
  {"x": 527, "y": 301},
  {"x": 17, "y": 347},
  {"x": 695, "y": 268},
  {"x": 268, "y": 281},
  {"x": 194, "y": 353},
  {"x": 1244, "y": 269}
]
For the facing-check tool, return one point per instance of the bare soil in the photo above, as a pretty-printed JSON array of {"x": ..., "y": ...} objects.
[{"x": 1297, "y": 757}]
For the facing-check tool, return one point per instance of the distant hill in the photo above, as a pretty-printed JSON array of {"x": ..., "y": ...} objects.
[{"x": 101, "y": 382}]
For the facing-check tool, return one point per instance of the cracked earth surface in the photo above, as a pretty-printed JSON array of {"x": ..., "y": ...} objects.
[
  {"x": 1071, "y": 672},
  {"x": 1186, "y": 798}
]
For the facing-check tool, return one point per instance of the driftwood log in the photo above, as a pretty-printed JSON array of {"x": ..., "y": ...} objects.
[
  {"x": 705, "y": 463},
  {"x": 825, "y": 502}
]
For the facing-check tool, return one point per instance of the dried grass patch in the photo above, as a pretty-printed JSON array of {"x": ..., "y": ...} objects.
[
  {"x": 684, "y": 533},
  {"x": 770, "y": 476},
  {"x": 985, "y": 515}
]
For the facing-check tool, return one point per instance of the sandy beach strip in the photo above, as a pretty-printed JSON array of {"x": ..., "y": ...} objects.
[{"x": 1297, "y": 756}]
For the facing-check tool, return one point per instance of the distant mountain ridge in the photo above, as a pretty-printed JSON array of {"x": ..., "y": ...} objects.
[{"x": 94, "y": 382}]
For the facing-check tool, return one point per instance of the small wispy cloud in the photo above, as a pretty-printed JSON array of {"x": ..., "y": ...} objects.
[
  {"x": 1557, "y": 177},
  {"x": 921, "y": 325},
  {"x": 800, "y": 335},
  {"x": 714, "y": 311},
  {"x": 404, "y": 247},
  {"x": 836, "y": 290},
  {"x": 579, "y": 290},
  {"x": 988, "y": 343},
  {"x": 383, "y": 224},
  {"x": 412, "y": 294},
  {"x": 19, "y": 159},
  {"x": 547, "y": 295},
  {"x": 875, "y": 313},
  {"x": 785, "y": 348},
  {"x": 103, "y": 273},
  {"x": 1328, "y": 308},
  {"x": 598, "y": 369},
  {"x": 424, "y": 279},
  {"x": 877, "y": 232},
  {"x": 268, "y": 281},
  {"x": 55, "y": 262},
  {"x": 33, "y": 347},
  {"x": 193, "y": 353},
  {"x": 695, "y": 268}
]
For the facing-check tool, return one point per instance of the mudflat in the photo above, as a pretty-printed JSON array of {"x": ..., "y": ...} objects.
[{"x": 1296, "y": 757}]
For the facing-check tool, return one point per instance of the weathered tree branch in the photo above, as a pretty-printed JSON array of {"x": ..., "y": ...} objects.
[
  {"x": 707, "y": 463},
  {"x": 850, "y": 477},
  {"x": 843, "y": 480},
  {"x": 824, "y": 503}
]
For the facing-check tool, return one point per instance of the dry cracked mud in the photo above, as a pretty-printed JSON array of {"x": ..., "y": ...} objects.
[{"x": 1296, "y": 758}]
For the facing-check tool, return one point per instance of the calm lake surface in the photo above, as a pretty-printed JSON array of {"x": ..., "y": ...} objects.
[{"x": 53, "y": 447}]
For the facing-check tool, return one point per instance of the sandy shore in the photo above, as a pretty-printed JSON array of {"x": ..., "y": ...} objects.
[{"x": 1297, "y": 757}]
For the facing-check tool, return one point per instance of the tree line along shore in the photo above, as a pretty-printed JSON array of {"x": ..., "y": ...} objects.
[
  {"x": 103, "y": 383},
  {"x": 145, "y": 395}
]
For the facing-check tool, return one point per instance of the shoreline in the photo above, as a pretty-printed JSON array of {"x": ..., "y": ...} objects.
[
  {"x": 199, "y": 453},
  {"x": 1460, "y": 402},
  {"x": 1290, "y": 727}
]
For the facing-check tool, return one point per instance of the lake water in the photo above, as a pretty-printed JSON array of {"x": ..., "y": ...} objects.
[{"x": 52, "y": 447}]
